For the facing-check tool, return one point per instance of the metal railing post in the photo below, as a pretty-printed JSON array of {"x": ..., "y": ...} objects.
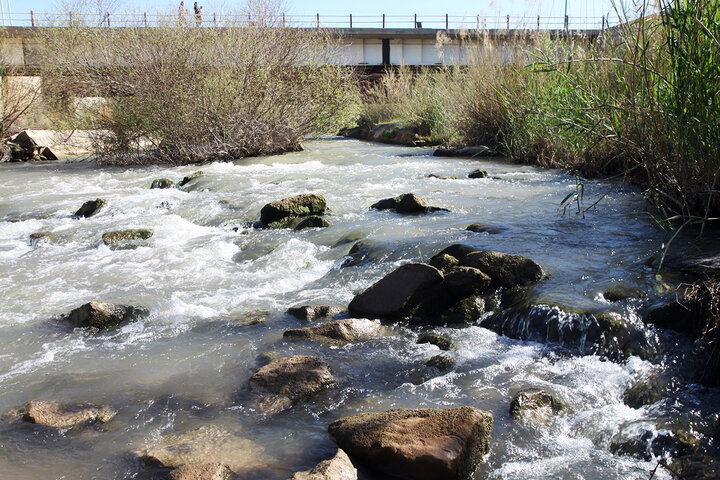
[
  {"x": 214, "y": 20},
  {"x": 477, "y": 22},
  {"x": 508, "y": 23},
  {"x": 567, "y": 23},
  {"x": 283, "y": 19},
  {"x": 383, "y": 20},
  {"x": 538, "y": 22},
  {"x": 447, "y": 22},
  {"x": 351, "y": 20},
  {"x": 32, "y": 18},
  {"x": 145, "y": 19},
  {"x": 107, "y": 16},
  {"x": 415, "y": 21},
  {"x": 602, "y": 29}
]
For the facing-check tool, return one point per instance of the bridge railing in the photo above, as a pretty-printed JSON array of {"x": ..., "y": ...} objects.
[{"x": 409, "y": 21}]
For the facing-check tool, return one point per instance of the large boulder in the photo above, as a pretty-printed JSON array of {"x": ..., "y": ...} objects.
[
  {"x": 407, "y": 203},
  {"x": 208, "y": 450},
  {"x": 57, "y": 415},
  {"x": 463, "y": 282},
  {"x": 347, "y": 330},
  {"x": 280, "y": 213},
  {"x": 422, "y": 444},
  {"x": 505, "y": 270},
  {"x": 90, "y": 208},
  {"x": 281, "y": 383},
  {"x": 102, "y": 315},
  {"x": 338, "y": 467},
  {"x": 398, "y": 293}
]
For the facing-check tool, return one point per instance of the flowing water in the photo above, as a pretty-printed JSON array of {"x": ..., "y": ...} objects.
[{"x": 204, "y": 277}]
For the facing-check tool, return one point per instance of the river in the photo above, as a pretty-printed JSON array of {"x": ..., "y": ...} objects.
[{"x": 204, "y": 277}]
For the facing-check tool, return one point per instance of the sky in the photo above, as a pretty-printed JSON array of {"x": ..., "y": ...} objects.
[{"x": 464, "y": 8}]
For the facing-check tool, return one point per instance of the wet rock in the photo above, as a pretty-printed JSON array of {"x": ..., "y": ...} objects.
[
  {"x": 674, "y": 443},
  {"x": 422, "y": 444},
  {"x": 283, "y": 382},
  {"x": 339, "y": 467},
  {"x": 620, "y": 291},
  {"x": 534, "y": 404},
  {"x": 638, "y": 446},
  {"x": 441, "y": 177},
  {"x": 396, "y": 133},
  {"x": 349, "y": 238},
  {"x": 678, "y": 314},
  {"x": 103, "y": 315},
  {"x": 362, "y": 253},
  {"x": 697, "y": 466},
  {"x": 206, "y": 471},
  {"x": 646, "y": 391},
  {"x": 57, "y": 415},
  {"x": 312, "y": 221},
  {"x": 251, "y": 318},
  {"x": 505, "y": 270},
  {"x": 315, "y": 312},
  {"x": 441, "y": 341},
  {"x": 361, "y": 132},
  {"x": 193, "y": 176},
  {"x": 467, "y": 311},
  {"x": 162, "y": 183},
  {"x": 444, "y": 262},
  {"x": 458, "y": 250},
  {"x": 398, "y": 293},
  {"x": 281, "y": 213},
  {"x": 203, "y": 447},
  {"x": 441, "y": 362},
  {"x": 90, "y": 208},
  {"x": 482, "y": 228},
  {"x": 347, "y": 330},
  {"x": 478, "y": 173},
  {"x": 22, "y": 147},
  {"x": 39, "y": 238},
  {"x": 463, "y": 282},
  {"x": 126, "y": 238},
  {"x": 470, "y": 151},
  {"x": 407, "y": 203}
]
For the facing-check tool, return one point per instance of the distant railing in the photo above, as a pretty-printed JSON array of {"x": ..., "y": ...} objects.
[{"x": 410, "y": 21}]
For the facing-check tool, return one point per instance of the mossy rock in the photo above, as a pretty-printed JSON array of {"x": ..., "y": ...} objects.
[
  {"x": 532, "y": 402},
  {"x": 441, "y": 341},
  {"x": 126, "y": 238},
  {"x": 620, "y": 291},
  {"x": 162, "y": 183},
  {"x": 42, "y": 237},
  {"x": 479, "y": 173},
  {"x": 90, "y": 208},
  {"x": 646, "y": 392},
  {"x": 313, "y": 221},
  {"x": 190, "y": 178},
  {"x": 444, "y": 262},
  {"x": 467, "y": 310},
  {"x": 283, "y": 213},
  {"x": 441, "y": 362}
]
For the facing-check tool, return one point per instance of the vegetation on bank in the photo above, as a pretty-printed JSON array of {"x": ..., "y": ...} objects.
[
  {"x": 641, "y": 100},
  {"x": 179, "y": 94}
]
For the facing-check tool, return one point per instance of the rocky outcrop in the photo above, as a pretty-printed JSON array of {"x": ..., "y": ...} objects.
[
  {"x": 208, "y": 450},
  {"x": 21, "y": 147},
  {"x": 90, "y": 208},
  {"x": 312, "y": 221},
  {"x": 478, "y": 173},
  {"x": 347, "y": 330},
  {"x": 470, "y": 151},
  {"x": 339, "y": 467},
  {"x": 286, "y": 213},
  {"x": 395, "y": 133},
  {"x": 441, "y": 341},
  {"x": 126, "y": 238},
  {"x": 57, "y": 415},
  {"x": 468, "y": 310},
  {"x": 407, "y": 204},
  {"x": 534, "y": 404},
  {"x": 422, "y": 444},
  {"x": 103, "y": 315},
  {"x": 162, "y": 183},
  {"x": 315, "y": 312},
  {"x": 398, "y": 293},
  {"x": 283, "y": 382}
]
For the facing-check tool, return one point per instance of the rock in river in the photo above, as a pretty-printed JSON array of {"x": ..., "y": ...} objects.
[
  {"x": 281, "y": 213},
  {"x": 313, "y": 221},
  {"x": 126, "y": 238},
  {"x": 347, "y": 330},
  {"x": 56, "y": 415},
  {"x": 161, "y": 183},
  {"x": 281, "y": 383},
  {"x": 534, "y": 403},
  {"x": 407, "y": 203},
  {"x": 338, "y": 467},
  {"x": 314, "y": 312},
  {"x": 205, "y": 471},
  {"x": 90, "y": 208},
  {"x": 103, "y": 315},
  {"x": 398, "y": 293},
  {"x": 505, "y": 270},
  {"x": 422, "y": 444}
]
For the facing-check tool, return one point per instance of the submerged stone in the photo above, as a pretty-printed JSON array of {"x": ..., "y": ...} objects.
[
  {"x": 90, "y": 208},
  {"x": 441, "y": 362},
  {"x": 421, "y": 444},
  {"x": 312, "y": 221},
  {"x": 162, "y": 183},
  {"x": 620, "y": 291},
  {"x": 57, "y": 415},
  {"x": 534, "y": 404},
  {"x": 482, "y": 228},
  {"x": 103, "y": 315},
  {"x": 346, "y": 330},
  {"x": 478, "y": 173},
  {"x": 441, "y": 341},
  {"x": 125, "y": 238},
  {"x": 339, "y": 467},
  {"x": 39, "y": 238}
]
